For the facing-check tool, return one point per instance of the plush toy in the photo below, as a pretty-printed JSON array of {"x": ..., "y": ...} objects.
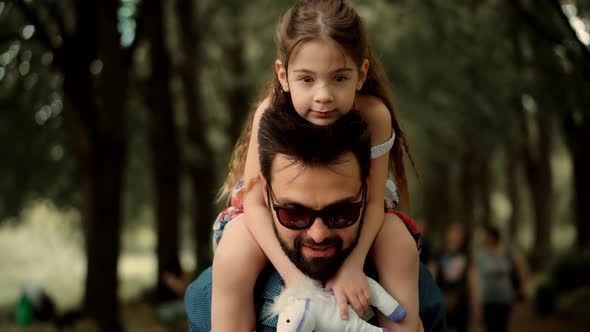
[{"x": 306, "y": 307}]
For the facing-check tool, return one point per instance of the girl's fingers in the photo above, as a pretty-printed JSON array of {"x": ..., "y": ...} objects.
[
  {"x": 358, "y": 303},
  {"x": 359, "y": 300},
  {"x": 367, "y": 295},
  {"x": 342, "y": 304},
  {"x": 364, "y": 304}
]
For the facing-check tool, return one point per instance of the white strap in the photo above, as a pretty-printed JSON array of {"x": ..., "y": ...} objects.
[{"x": 381, "y": 149}]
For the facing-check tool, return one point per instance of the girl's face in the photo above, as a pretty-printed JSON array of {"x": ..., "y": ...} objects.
[{"x": 322, "y": 80}]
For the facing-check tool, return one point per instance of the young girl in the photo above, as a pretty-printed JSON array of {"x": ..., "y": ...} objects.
[{"x": 325, "y": 67}]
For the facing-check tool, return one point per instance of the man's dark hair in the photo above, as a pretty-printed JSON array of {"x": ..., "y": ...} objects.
[{"x": 283, "y": 131}]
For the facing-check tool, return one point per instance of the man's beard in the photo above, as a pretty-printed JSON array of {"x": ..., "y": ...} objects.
[{"x": 318, "y": 268}]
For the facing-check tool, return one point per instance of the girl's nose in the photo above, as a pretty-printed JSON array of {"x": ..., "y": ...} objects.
[{"x": 324, "y": 94}]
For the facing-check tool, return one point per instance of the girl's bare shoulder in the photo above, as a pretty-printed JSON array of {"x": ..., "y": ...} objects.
[
  {"x": 373, "y": 109},
  {"x": 263, "y": 105},
  {"x": 377, "y": 115}
]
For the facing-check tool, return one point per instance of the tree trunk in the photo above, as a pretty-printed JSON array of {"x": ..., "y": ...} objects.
[
  {"x": 238, "y": 96},
  {"x": 581, "y": 161},
  {"x": 201, "y": 163},
  {"x": 513, "y": 160},
  {"x": 204, "y": 185},
  {"x": 165, "y": 151},
  {"x": 550, "y": 25},
  {"x": 438, "y": 204},
  {"x": 577, "y": 131},
  {"x": 100, "y": 146},
  {"x": 540, "y": 180},
  {"x": 101, "y": 297},
  {"x": 95, "y": 114},
  {"x": 468, "y": 186},
  {"x": 484, "y": 191}
]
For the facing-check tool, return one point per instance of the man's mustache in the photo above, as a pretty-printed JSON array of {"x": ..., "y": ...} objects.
[{"x": 309, "y": 242}]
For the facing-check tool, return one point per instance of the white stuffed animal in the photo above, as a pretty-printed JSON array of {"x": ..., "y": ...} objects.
[{"x": 306, "y": 307}]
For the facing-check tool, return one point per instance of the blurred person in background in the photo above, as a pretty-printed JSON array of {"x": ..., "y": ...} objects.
[
  {"x": 497, "y": 266},
  {"x": 426, "y": 252},
  {"x": 454, "y": 272}
]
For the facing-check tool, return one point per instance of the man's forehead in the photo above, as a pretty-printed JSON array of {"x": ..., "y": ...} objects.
[{"x": 286, "y": 169}]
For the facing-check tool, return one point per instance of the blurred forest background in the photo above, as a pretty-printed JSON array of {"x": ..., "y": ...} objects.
[{"x": 118, "y": 117}]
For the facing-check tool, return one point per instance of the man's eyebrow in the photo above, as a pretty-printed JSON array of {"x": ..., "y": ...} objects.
[
  {"x": 344, "y": 201},
  {"x": 286, "y": 202}
]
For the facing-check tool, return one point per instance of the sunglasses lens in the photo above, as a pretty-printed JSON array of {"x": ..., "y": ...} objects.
[
  {"x": 343, "y": 216},
  {"x": 294, "y": 218}
]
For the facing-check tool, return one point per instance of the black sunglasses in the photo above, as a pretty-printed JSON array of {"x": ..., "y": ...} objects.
[{"x": 335, "y": 216}]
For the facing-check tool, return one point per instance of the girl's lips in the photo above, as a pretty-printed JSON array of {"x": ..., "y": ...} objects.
[{"x": 322, "y": 114}]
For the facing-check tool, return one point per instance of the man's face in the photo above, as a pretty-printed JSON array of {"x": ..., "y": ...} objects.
[{"x": 318, "y": 251}]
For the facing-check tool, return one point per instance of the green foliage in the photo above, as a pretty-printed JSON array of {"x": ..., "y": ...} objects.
[
  {"x": 36, "y": 157},
  {"x": 450, "y": 64},
  {"x": 462, "y": 73}
]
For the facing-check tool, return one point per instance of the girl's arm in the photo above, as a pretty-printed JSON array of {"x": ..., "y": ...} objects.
[
  {"x": 396, "y": 257},
  {"x": 257, "y": 214},
  {"x": 349, "y": 283}
]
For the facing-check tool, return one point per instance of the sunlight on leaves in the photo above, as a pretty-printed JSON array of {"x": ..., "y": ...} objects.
[
  {"x": 127, "y": 24},
  {"x": 31, "y": 81},
  {"x": 57, "y": 152},
  {"x": 42, "y": 115},
  {"x": 28, "y": 31},
  {"x": 47, "y": 58},
  {"x": 7, "y": 57},
  {"x": 580, "y": 26},
  {"x": 96, "y": 67},
  {"x": 529, "y": 103},
  {"x": 24, "y": 68}
]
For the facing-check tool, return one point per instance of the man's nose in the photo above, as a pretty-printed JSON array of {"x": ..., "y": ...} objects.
[
  {"x": 324, "y": 94},
  {"x": 318, "y": 230}
]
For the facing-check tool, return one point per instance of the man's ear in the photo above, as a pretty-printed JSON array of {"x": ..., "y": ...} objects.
[
  {"x": 363, "y": 70},
  {"x": 265, "y": 188},
  {"x": 282, "y": 74}
]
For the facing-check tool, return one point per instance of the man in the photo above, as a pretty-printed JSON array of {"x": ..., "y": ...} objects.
[{"x": 315, "y": 179}]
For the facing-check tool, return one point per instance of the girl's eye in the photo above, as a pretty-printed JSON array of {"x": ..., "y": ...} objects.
[
  {"x": 341, "y": 78},
  {"x": 306, "y": 79}
]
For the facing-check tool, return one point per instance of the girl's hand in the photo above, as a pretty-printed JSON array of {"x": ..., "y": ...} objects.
[{"x": 350, "y": 286}]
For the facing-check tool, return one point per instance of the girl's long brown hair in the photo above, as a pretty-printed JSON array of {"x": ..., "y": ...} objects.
[{"x": 338, "y": 21}]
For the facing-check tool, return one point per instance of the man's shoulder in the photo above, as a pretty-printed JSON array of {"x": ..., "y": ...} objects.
[
  {"x": 269, "y": 285},
  {"x": 197, "y": 300},
  {"x": 432, "y": 311}
]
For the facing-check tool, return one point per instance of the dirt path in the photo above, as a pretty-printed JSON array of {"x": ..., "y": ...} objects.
[
  {"x": 523, "y": 319},
  {"x": 140, "y": 318}
]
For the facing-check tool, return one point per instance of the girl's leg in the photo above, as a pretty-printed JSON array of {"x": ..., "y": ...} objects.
[
  {"x": 237, "y": 263},
  {"x": 395, "y": 256}
]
